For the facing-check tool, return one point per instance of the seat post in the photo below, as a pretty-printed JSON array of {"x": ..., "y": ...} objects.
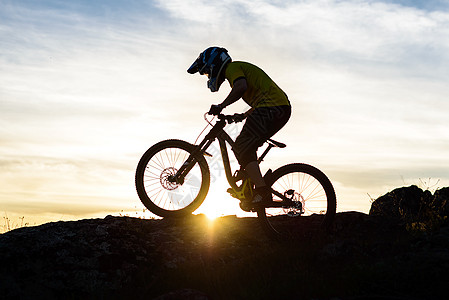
[{"x": 260, "y": 159}]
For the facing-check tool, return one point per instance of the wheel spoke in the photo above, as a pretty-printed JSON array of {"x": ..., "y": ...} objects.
[
  {"x": 310, "y": 188},
  {"x": 158, "y": 192}
]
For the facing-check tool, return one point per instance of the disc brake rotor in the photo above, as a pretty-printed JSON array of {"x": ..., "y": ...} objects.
[
  {"x": 296, "y": 209},
  {"x": 166, "y": 181}
]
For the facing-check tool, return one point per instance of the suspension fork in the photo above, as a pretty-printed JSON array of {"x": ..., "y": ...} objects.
[
  {"x": 183, "y": 171},
  {"x": 198, "y": 150}
]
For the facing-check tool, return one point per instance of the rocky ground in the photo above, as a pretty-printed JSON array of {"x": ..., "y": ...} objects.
[{"x": 399, "y": 251}]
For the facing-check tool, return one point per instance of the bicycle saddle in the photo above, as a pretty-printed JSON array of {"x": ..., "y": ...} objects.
[{"x": 276, "y": 143}]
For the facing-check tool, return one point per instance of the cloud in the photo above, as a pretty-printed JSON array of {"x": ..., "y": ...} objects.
[
  {"x": 90, "y": 87},
  {"x": 355, "y": 32}
]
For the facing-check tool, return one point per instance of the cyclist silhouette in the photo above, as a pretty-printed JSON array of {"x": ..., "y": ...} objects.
[{"x": 270, "y": 108}]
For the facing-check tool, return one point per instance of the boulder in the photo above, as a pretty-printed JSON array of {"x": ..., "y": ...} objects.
[
  {"x": 441, "y": 202},
  {"x": 403, "y": 204}
]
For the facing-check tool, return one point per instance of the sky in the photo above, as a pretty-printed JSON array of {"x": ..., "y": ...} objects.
[{"x": 87, "y": 86}]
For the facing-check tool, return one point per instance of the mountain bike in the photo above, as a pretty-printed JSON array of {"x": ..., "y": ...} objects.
[{"x": 173, "y": 178}]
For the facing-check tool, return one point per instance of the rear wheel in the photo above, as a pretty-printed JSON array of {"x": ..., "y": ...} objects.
[
  {"x": 155, "y": 186},
  {"x": 312, "y": 196}
]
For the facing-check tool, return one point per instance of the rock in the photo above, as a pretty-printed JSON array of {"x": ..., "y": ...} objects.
[
  {"x": 110, "y": 258},
  {"x": 88, "y": 257},
  {"x": 441, "y": 202},
  {"x": 403, "y": 204},
  {"x": 231, "y": 258},
  {"x": 184, "y": 294}
]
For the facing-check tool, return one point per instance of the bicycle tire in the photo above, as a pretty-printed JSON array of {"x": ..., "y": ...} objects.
[
  {"x": 315, "y": 192},
  {"x": 165, "y": 198}
]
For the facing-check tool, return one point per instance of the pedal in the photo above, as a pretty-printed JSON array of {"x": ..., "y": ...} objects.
[{"x": 293, "y": 214}]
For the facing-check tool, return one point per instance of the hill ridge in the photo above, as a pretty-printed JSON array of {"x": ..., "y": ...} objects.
[{"x": 230, "y": 258}]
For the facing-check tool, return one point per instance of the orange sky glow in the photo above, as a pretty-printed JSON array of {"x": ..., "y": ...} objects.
[{"x": 87, "y": 88}]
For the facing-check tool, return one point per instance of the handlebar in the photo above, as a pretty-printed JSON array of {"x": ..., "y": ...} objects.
[
  {"x": 235, "y": 118},
  {"x": 228, "y": 118}
]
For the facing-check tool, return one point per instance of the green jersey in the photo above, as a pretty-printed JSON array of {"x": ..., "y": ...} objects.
[{"x": 262, "y": 90}]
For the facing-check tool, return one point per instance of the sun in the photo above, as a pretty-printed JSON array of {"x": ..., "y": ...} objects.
[
  {"x": 212, "y": 214},
  {"x": 218, "y": 202},
  {"x": 215, "y": 206}
]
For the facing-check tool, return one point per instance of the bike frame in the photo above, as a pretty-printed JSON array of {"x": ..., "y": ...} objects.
[{"x": 217, "y": 132}]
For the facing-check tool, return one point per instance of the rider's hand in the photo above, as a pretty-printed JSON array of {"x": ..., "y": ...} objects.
[
  {"x": 238, "y": 117},
  {"x": 215, "y": 109}
]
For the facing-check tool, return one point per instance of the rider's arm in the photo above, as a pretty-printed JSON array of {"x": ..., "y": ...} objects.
[{"x": 237, "y": 91}]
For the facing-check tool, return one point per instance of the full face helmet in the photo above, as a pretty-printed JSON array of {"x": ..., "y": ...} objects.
[{"x": 211, "y": 62}]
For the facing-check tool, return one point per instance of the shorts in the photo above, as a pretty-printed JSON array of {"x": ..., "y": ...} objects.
[{"x": 260, "y": 125}]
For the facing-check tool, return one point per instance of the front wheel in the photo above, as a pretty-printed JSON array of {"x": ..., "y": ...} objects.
[
  {"x": 311, "y": 200},
  {"x": 157, "y": 189}
]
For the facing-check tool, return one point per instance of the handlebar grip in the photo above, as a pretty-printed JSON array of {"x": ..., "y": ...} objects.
[{"x": 228, "y": 118}]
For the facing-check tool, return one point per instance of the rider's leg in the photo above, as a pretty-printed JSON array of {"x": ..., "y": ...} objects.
[
  {"x": 262, "y": 193},
  {"x": 254, "y": 173},
  {"x": 259, "y": 126}
]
